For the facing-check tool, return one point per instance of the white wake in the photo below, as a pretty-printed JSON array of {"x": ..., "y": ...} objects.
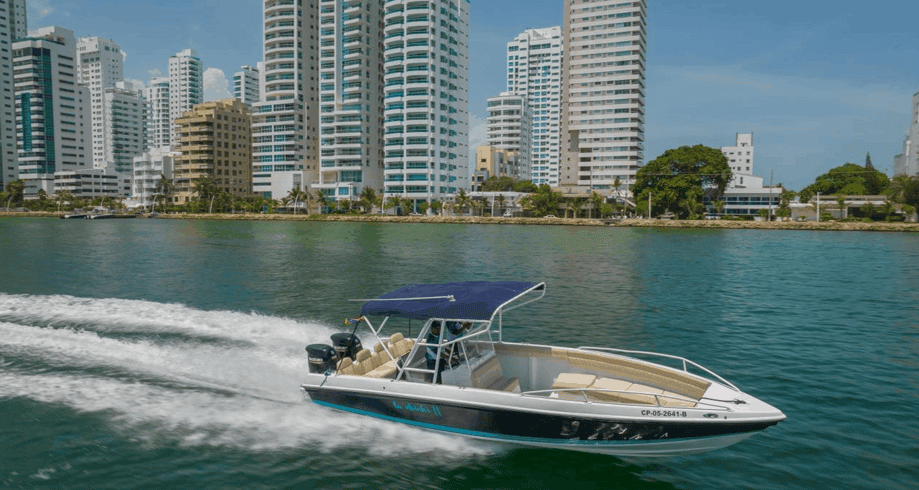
[{"x": 105, "y": 356}]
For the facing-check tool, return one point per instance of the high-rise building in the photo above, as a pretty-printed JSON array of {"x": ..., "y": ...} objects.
[
  {"x": 509, "y": 130},
  {"x": 286, "y": 118},
  {"x": 186, "y": 87},
  {"x": 426, "y": 101},
  {"x": 245, "y": 85},
  {"x": 125, "y": 111},
  {"x": 907, "y": 163},
  {"x": 12, "y": 27},
  {"x": 215, "y": 141},
  {"x": 159, "y": 125},
  {"x": 52, "y": 109},
  {"x": 534, "y": 70},
  {"x": 740, "y": 156},
  {"x": 351, "y": 99},
  {"x": 603, "y": 91},
  {"x": 100, "y": 65}
]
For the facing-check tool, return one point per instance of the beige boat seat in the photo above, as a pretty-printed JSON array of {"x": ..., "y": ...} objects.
[
  {"x": 386, "y": 370},
  {"x": 363, "y": 363},
  {"x": 399, "y": 345},
  {"x": 344, "y": 364},
  {"x": 614, "y": 387},
  {"x": 641, "y": 397},
  {"x": 570, "y": 383}
]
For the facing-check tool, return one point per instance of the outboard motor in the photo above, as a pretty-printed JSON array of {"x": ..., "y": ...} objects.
[
  {"x": 346, "y": 345},
  {"x": 322, "y": 358}
]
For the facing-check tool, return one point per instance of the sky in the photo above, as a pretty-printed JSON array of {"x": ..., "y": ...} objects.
[{"x": 819, "y": 83}]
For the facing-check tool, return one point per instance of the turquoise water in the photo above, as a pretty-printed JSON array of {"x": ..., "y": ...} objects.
[{"x": 159, "y": 353}]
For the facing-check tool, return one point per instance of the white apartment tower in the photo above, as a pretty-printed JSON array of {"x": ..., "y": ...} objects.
[
  {"x": 351, "y": 98},
  {"x": 534, "y": 70},
  {"x": 245, "y": 85},
  {"x": 125, "y": 136},
  {"x": 509, "y": 129},
  {"x": 101, "y": 66},
  {"x": 426, "y": 101},
  {"x": 603, "y": 92},
  {"x": 186, "y": 87},
  {"x": 740, "y": 156},
  {"x": 12, "y": 27},
  {"x": 285, "y": 121},
  {"x": 52, "y": 109},
  {"x": 159, "y": 125}
]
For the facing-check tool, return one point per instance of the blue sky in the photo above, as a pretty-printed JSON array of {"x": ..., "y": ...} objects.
[{"x": 819, "y": 83}]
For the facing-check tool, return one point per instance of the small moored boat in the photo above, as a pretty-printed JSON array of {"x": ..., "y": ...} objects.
[{"x": 458, "y": 376}]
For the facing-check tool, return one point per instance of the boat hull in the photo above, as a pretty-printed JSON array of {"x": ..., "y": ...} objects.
[{"x": 611, "y": 435}]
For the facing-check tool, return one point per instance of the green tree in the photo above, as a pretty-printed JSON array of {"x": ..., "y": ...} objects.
[
  {"x": 164, "y": 188},
  {"x": 542, "y": 202},
  {"x": 849, "y": 179},
  {"x": 206, "y": 190},
  {"x": 501, "y": 201},
  {"x": 463, "y": 200},
  {"x": 525, "y": 186},
  {"x": 596, "y": 200},
  {"x": 681, "y": 177},
  {"x": 498, "y": 184},
  {"x": 368, "y": 199},
  {"x": 14, "y": 192},
  {"x": 322, "y": 200},
  {"x": 904, "y": 190},
  {"x": 908, "y": 211},
  {"x": 393, "y": 202},
  {"x": 841, "y": 204}
]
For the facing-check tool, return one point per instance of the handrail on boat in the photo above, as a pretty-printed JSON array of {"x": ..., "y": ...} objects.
[
  {"x": 678, "y": 358},
  {"x": 657, "y": 397}
]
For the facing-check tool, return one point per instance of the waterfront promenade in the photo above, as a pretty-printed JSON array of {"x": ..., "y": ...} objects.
[{"x": 632, "y": 223}]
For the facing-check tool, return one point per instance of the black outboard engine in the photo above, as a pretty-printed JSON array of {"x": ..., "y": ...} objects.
[
  {"x": 346, "y": 345},
  {"x": 322, "y": 358}
]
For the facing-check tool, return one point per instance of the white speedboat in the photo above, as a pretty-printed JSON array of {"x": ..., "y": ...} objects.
[{"x": 458, "y": 376}]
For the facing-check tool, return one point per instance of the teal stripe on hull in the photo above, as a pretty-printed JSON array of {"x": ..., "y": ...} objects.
[{"x": 505, "y": 438}]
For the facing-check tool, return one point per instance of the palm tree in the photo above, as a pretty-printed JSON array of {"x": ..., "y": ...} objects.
[
  {"x": 207, "y": 190},
  {"x": 595, "y": 200},
  {"x": 15, "y": 190},
  {"x": 575, "y": 205},
  {"x": 502, "y": 202},
  {"x": 165, "y": 188},
  {"x": 368, "y": 198},
  {"x": 719, "y": 206},
  {"x": 463, "y": 200},
  {"x": 393, "y": 202},
  {"x": 296, "y": 195},
  {"x": 322, "y": 200}
]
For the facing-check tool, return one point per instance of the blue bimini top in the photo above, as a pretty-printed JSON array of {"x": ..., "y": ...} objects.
[{"x": 471, "y": 300}]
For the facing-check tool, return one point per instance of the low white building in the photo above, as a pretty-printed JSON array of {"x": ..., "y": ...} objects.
[
  {"x": 745, "y": 194},
  {"x": 88, "y": 183},
  {"x": 149, "y": 169}
]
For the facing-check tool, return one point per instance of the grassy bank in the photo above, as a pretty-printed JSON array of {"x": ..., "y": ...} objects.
[{"x": 634, "y": 223}]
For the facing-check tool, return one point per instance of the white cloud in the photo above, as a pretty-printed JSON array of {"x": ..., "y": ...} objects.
[
  {"x": 37, "y": 10},
  {"x": 215, "y": 85},
  {"x": 154, "y": 73}
]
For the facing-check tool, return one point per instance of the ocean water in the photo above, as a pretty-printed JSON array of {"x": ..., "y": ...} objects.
[{"x": 168, "y": 354}]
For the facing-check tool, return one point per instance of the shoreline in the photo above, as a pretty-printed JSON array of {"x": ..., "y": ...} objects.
[{"x": 626, "y": 223}]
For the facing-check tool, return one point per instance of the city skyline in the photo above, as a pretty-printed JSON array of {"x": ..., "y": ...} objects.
[{"x": 817, "y": 89}]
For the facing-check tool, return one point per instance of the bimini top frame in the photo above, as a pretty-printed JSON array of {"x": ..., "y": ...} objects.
[{"x": 470, "y": 300}]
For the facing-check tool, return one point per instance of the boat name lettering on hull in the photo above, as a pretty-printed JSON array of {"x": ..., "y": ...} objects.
[{"x": 418, "y": 408}]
